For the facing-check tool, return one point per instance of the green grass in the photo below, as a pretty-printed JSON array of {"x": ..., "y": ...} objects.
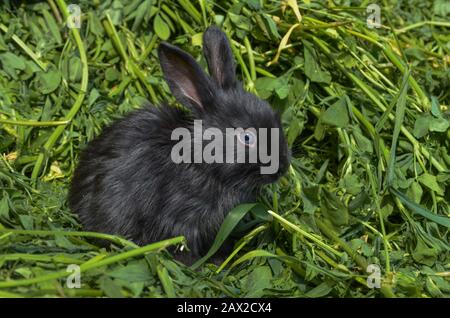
[{"x": 365, "y": 111}]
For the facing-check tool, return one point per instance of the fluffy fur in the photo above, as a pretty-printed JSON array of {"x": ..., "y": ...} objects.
[{"x": 126, "y": 182}]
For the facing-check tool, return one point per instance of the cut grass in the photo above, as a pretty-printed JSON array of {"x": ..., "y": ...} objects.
[{"x": 365, "y": 112}]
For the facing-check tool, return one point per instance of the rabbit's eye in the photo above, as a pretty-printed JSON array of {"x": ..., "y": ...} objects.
[{"x": 247, "y": 138}]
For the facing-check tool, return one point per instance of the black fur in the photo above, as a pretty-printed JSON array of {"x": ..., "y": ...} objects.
[{"x": 126, "y": 182}]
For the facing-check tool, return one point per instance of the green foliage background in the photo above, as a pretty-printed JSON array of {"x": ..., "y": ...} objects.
[{"x": 365, "y": 111}]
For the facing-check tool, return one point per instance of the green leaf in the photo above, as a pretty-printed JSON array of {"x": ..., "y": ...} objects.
[
  {"x": 320, "y": 130},
  {"x": 166, "y": 281},
  {"x": 257, "y": 281},
  {"x": 295, "y": 128},
  {"x": 27, "y": 221},
  {"x": 93, "y": 96},
  {"x": 133, "y": 272},
  {"x": 12, "y": 60},
  {"x": 312, "y": 67},
  {"x": 24, "y": 271},
  {"x": 441, "y": 7},
  {"x": 75, "y": 69},
  {"x": 442, "y": 220},
  {"x": 52, "y": 25},
  {"x": 266, "y": 85},
  {"x": 111, "y": 74},
  {"x": 439, "y": 124},
  {"x": 415, "y": 192},
  {"x": 352, "y": 184},
  {"x": 161, "y": 28},
  {"x": 336, "y": 114},
  {"x": 95, "y": 24},
  {"x": 230, "y": 222},
  {"x": 364, "y": 143},
  {"x": 64, "y": 242},
  {"x": 435, "y": 108},
  {"x": 399, "y": 114},
  {"x": 433, "y": 289},
  {"x": 430, "y": 182},
  {"x": 110, "y": 288},
  {"x": 48, "y": 82},
  {"x": 140, "y": 14},
  {"x": 253, "y": 254},
  {"x": 116, "y": 12},
  {"x": 421, "y": 126},
  {"x": 333, "y": 209},
  {"x": 253, "y": 4},
  {"x": 319, "y": 291},
  {"x": 4, "y": 207},
  {"x": 310, "y": 198},
  {"x": 283, "y": 91},
  {"x": 268, "y": 21},
  {"x": 424, "y": 254},
  {"x": 241, "y": 21}
]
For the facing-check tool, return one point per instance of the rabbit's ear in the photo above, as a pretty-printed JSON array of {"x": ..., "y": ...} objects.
[
  {"x": 187, "y": 81},
  {"x": 219, "y": 56}
]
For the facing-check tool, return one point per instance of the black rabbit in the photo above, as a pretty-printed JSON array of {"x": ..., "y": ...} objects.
[{"x": 126, "y": 182}]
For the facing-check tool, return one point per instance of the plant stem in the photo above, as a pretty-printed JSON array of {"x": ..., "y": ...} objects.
[
  {"x": 27, "y": 50},
  {"x": 380, "y": 105},
  {"x": 33, "y": 122},
  {"x": 78, "y": 102},
  {"x": 90, "y": 265},
  {"x": 112, "y": 238},
  {"x": 130, "y": 66},
  {"x": 380, "y": 217},
  {"x": 251, "y": 60},
  {"x": 304, "y": 233},
  {"x": 422, "y": 23}
]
